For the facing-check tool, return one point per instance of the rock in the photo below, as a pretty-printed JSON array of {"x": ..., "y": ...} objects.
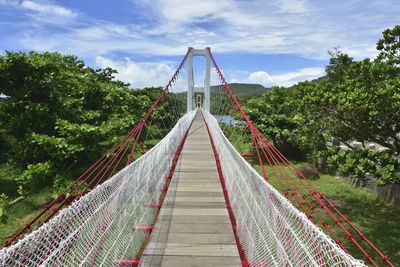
[
  {"x": 372, "y": 147},
  {"x": 309, "y": 172},
  {"x": 18, "y": 199},
  {"x": 335, "y": 142},
  {"x": 357, "y": 145}
]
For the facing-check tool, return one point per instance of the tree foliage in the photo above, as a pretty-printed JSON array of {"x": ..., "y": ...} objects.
[
  {"x": 356, "y": 100},
  {"x": 57, "y": 113},
  {"x": 389, "y": 46},
  {"x": 273, "y": 114}
]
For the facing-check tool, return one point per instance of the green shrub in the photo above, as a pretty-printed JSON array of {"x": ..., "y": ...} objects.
[
  {"x": 35, "y": 176},
  {"x": 3, "y": 213},
  {"x": 364, "y": 163}
]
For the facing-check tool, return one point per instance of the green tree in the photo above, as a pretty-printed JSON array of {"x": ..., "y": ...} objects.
[
  {"x": 58, "y": 113},
  {"x": 275, "y": 115},
  {"x": 389, "y": 46},
  {"x": 358, "y": 100}
]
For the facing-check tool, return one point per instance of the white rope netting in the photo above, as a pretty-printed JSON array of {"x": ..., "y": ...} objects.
[
  {"x": 271, "y": 231},
  {"x": 97, "y": 229}
]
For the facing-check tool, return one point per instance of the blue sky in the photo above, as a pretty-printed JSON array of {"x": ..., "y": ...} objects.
[{"x": 275, "y": 42}]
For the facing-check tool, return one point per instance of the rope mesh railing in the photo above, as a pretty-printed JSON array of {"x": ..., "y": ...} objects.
[
  {"x": 103, "y": 225},
  {"x": 297, "y": 189},
  {"x": 122, "y": 153},
  {"x": 111, "y": 224},
  {"x": 271, "y": 231}
]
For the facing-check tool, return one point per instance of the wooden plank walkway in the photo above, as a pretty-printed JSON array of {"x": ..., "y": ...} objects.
[{"x": 193, "y": 227}]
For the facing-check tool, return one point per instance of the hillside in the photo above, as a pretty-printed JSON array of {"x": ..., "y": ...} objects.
[
  {"x": 245, "y": 90},
  {"x": 242, "y": 90}
]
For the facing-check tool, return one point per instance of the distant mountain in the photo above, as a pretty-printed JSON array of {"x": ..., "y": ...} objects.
[{"x": 243, "y": 90}]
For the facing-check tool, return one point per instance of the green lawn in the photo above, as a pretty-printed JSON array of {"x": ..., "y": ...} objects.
[{"x": 22, "y": 212}]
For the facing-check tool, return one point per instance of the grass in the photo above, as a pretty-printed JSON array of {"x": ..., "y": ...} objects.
[
  {"x": 8, "y": 173},
  {"x": 23, "y": 212},
  {"x": 377, "y": 219}
]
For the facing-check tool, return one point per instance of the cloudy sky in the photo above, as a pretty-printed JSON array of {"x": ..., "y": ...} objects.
[{"x": 271, "y": 42}]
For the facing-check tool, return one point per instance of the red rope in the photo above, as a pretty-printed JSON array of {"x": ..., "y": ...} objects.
[
  {"x": 241, "y": 250},
  {"x": 109, "y": 163},
  {"x": 169, "y": 177},
  {"x": 258, "y": 136},
  {"x": 97, "y": 164},
  {"x": 119, "y": 147},
  {"x": 143, "y": 121}
]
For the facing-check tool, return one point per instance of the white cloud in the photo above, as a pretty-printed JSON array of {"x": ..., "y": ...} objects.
[
  {"x": 48, "y": 12},
  {"x": 292, "y": 6},
  {"x": 284, "y": 79},
  {"x": 304, "y": 28},
  {"x": 139, "y": 75},
  {"x": 260, "y": 77},
  {"x": 191, "y": 10}
]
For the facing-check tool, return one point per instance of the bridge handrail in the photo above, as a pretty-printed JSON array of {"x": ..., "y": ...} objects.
[
  {"x": 113, "y": 209},
  {"x": 271, "y": 230}
]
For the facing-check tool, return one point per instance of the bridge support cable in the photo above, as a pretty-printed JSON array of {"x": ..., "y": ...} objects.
[
  {"x": 295, "y": 186},
  {"x": 241, "y": 249},
  {"x": 271, "y": 231},
  {"x": 59, "y": 237},
  {"x": 122, "y": 198}
]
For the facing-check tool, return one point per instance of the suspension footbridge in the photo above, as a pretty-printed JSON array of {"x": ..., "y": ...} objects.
[{"x": 191, "y": 200}]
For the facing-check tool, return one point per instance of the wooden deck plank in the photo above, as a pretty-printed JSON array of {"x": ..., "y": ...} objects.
[
  {"x": 192, "y": 261},
  {"x": 222, "y": 228},
  {"x": 201, "y": 199},
  {"x": 196, "y": 238},
  {"x": 180, "y": 249}
]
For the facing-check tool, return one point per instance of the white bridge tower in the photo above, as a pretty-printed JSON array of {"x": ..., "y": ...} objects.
[{"x": 193, "y": 91}]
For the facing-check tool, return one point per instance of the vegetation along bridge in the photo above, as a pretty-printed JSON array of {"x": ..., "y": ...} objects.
[{"x": 190, "y": 200}]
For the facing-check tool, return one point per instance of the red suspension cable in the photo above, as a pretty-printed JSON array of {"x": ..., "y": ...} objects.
[
  {"x": 100, "y": 162},
  {"x": 264, "y": 147}
]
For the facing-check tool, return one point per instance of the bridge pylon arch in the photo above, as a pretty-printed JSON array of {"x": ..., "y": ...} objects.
[{"x": 192, "y": 90}]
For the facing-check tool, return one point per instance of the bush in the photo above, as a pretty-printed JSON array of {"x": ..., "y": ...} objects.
[
  {"x": 3, "y": 214},
  {"x": 61, "y": 183},
  {"x": 35, "y": 176},
  {"x": 364, "y": 163}
]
